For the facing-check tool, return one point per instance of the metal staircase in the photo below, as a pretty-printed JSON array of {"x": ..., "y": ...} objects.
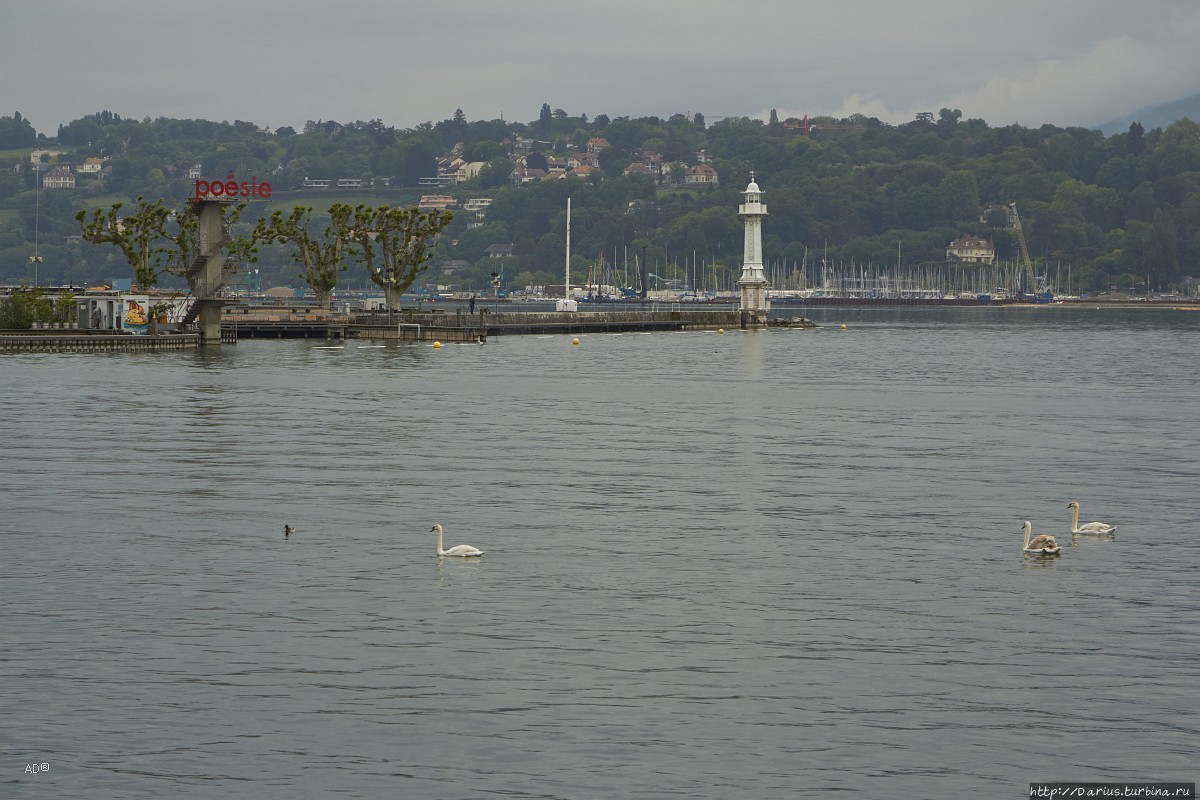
[{"x": 205, "y": 295}]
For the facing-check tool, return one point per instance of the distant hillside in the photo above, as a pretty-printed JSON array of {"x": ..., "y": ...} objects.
[
  {"x": 1156, "y": 116},
  {"x": 1114, "y": 210}
]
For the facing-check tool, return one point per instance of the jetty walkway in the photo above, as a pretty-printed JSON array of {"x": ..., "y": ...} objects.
[
  {"x": 406, "y": 325},
  {"x": 460, "y": 326}
]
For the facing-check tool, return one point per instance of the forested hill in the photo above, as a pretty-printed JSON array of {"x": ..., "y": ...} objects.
[{"x": 1120, "y": 209}]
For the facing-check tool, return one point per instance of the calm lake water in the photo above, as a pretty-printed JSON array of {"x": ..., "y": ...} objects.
[{"x": 755, "y": 565}]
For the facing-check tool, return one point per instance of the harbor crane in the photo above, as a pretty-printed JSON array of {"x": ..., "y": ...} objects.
[{"x": 1026, "y": 262}]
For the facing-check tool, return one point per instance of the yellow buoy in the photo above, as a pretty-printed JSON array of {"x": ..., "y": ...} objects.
[
  {"x": 436, "y": 345},
  {"x": 720, "y": 330},
  {"x": 843, "y": 326},
  {"x": 574, "y": 341}
]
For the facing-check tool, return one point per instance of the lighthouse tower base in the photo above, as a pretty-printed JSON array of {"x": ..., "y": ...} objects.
[{"x": 755, "y": 302}]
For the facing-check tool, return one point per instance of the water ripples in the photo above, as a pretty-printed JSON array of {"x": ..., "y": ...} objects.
[{"x": 780, "y": 565}]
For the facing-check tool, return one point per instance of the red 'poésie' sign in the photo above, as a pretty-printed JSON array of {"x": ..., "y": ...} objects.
[{"x": 231, "y": 188}]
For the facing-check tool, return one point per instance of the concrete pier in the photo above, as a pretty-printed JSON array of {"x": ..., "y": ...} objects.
[
  {"x": 434, "y": 325},
  {"x": 458, "y": 327}
]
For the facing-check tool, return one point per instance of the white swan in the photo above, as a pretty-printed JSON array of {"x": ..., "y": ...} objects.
[
  {"x": 1040, "y": 544},
  {"x": 1087, "y": 527},
  {"x": 464, "y": 550}
]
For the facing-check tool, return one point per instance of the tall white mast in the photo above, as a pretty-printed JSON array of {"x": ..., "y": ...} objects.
[{"x": 567, "y": 304}]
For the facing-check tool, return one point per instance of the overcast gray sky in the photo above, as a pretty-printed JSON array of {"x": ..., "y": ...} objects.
[{"x": 1065, "y": 62}]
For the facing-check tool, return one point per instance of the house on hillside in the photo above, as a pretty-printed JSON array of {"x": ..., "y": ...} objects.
[
  {"x": 477, "y": 206},
  {"x": 701, "y": 175},
  {"x": 652, "y": 160},
  {"x": 524, "y": 173},
  {"x": 447, "y": 169},
  {"x": 59, "y": 177},
  {"x": 438, "y": 202},
  {"x": 971, "y": 249},
  {"x": 468, "y": 170},
  {"x": 636, "y": 168},
  {"x": 582, "y": 160},
  {"x": 453, "y": 168}
]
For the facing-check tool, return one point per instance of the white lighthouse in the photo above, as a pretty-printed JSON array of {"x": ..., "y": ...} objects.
[{"x": 753, "y": 283}]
